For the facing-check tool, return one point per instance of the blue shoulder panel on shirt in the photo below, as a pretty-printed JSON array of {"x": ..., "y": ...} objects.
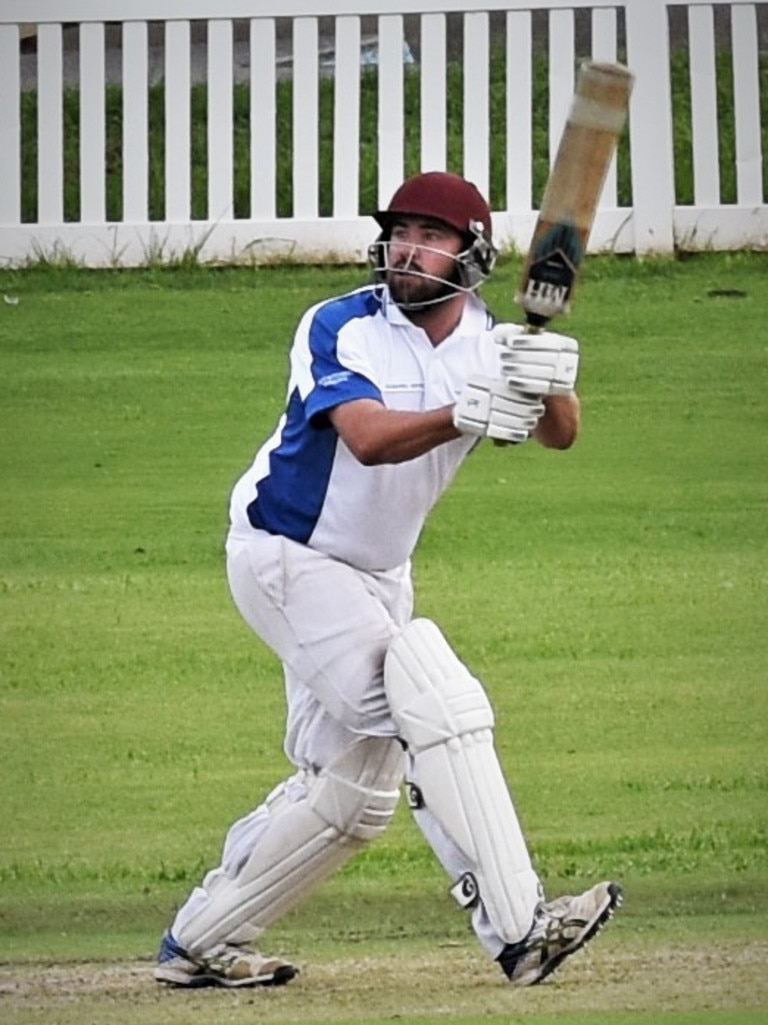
[
  {"x": 291, "y": 498},
  {"x": 335, "y": 383}
]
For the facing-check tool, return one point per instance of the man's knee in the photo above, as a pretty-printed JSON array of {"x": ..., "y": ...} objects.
[
  {"x": 433, "y": 696},
  {"x": 357, "y": 793}
]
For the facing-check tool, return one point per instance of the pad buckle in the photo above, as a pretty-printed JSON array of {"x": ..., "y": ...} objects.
[
  {"x": 413, "y": 796},
  {"x": 465, "y": 891}
]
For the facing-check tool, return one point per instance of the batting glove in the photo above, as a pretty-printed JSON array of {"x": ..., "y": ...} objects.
[
  {"x": 489, "y": 408},
  {"x": 540, "y": 363}
]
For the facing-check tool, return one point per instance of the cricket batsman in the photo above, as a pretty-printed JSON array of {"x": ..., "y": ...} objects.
[{"x": 391, "y": 386}]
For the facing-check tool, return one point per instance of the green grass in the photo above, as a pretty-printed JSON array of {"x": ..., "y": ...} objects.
[{"x": 613, "y": 599}]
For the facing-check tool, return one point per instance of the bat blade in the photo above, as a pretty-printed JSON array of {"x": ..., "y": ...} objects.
[{"x": 590, "y": 136}]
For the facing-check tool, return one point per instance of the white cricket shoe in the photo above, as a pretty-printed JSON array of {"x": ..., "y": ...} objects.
[
  {"x": 560, "y": 928},
  {"x": 224, "y": 965}
]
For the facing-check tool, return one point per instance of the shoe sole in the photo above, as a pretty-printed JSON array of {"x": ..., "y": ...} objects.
[
  {"x": 592, "y": 928},
  {"x": 181, "y": 980}
]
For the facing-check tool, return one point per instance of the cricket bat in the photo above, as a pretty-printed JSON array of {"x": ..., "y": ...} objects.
[{"x": 592, "y": 129}]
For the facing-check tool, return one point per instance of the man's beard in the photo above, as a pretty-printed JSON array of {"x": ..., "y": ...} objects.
[{"x": 412, "y": 290}]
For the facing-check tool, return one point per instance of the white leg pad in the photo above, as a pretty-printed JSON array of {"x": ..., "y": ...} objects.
[
  {"x": 307, "y": 828},
  {"x": 444, "y": 716}
]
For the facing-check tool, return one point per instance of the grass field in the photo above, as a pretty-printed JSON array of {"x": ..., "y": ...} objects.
[{"x": 612, "y": 598}]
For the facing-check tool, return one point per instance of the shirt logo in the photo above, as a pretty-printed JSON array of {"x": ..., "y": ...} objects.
[{"x": 333, "y": 379}]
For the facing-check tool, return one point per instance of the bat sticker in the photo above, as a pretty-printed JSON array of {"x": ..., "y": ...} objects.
[{"x": 554, "y": 265}]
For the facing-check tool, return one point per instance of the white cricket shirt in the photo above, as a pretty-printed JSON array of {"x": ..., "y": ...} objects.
[{"x": 304, "y": 482}]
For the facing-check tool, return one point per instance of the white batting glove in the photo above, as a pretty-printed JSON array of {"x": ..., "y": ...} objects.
[
  {"x": 489, "y": 408},
  {"x": 542, "y": 363}
]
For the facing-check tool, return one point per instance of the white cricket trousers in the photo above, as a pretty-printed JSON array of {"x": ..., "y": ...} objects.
[{"x": 330, "y": 625}]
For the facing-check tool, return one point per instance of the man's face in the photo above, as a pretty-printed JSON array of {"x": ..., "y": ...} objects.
[{"x": 421, "y": 260}]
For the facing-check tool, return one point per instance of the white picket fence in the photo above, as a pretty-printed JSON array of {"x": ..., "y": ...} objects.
[{"x": 309, "y": 38}]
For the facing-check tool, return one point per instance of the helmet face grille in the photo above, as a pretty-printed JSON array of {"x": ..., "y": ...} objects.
[{"x": 473, "y": 265}]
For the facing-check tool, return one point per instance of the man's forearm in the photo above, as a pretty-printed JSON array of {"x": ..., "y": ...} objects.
[{"x": 376, "y": 435}]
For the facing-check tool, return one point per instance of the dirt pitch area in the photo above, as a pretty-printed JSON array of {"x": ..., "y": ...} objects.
[{"x": 451, "y": 981}]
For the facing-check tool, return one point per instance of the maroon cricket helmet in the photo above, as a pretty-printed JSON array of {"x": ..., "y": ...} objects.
[{"x": 444, "y": 196}]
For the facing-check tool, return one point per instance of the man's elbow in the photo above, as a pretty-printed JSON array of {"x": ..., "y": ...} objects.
[
  {"x": 559, "y": 427},
  {"x": 558, "y": 438},
  {"x": 565, "y": 441},
  {"x": 369, "y": 451}
]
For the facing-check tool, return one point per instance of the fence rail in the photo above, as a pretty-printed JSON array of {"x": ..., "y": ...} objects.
[{"x": 109, "y": 87}]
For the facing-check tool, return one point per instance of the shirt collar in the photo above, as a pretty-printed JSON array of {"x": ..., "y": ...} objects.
[{"x": 474, "y": 318}]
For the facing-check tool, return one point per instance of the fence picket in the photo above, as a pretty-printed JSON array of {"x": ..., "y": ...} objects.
[
  {"x": 749, "y": 170},
  {"x": 650, "y": 127},
  {"x": 477, "y": 100},
  {"x": 433, "y": 85},
  {"x": 604, "y": 34},
  {"x": 92, "y": 124},
  {"x": 220, "y": 127},
  {"x": 561, "y": 74},
  {"x": 10, "y": 127},
  {"x": 50, "y": 126},
  {"x": 135, "y": 73},
  {"x": 701, "y": 49},
  {"x": 604, "y": 48},
  {"x": 346, "y": 125},
  {"x": 178, "y": 185},
  {"x": 519, "y": 178},
  {"x": 263, "y": 148},
  {"x": 305, "y": 117},
  {"x": 391, "y": 104}
]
